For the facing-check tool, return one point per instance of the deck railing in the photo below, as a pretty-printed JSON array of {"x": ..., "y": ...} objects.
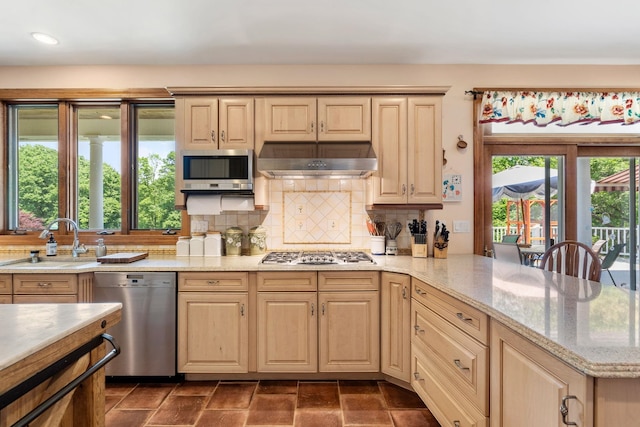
[{"x": 611, "y": 234}]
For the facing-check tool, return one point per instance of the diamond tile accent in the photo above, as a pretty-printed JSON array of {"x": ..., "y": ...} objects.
[{"x": 317, "y": 217}]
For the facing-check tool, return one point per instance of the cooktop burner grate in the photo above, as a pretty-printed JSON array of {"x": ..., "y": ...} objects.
[{"x": 316, "y": 257}]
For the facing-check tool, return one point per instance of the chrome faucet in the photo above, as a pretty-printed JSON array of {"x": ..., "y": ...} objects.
[{"x": 77, "y": 248}]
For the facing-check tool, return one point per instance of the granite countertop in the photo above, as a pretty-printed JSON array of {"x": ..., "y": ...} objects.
[
  {"x": 28, "y": 328},
  {"x": 593, "y": 327}
]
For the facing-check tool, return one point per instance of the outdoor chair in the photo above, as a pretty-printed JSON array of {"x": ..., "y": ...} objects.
[
  {"x": 610, "y": 258},
  {"x": 597, "y": 246},
  {"x": 509, "y": 252},
  {"x": 510, "y": 238},
  {"x": 573, "y": 259}
]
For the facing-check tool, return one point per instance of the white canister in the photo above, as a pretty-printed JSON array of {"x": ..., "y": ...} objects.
[
  {"x": 377, "y": 245},
  {"x": 182, "y": 246},
  {"x": 213, "y": 244},
  {"x": 196, "y": 246}
]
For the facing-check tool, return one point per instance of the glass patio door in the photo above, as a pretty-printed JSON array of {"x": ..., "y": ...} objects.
[{"x": 614, "y": 217}]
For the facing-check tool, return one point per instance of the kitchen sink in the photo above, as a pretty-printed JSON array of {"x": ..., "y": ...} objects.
[{"x": 59, "y": 262}]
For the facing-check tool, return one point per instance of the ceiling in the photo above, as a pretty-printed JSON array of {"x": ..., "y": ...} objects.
[{"x": 174, "y": 32}]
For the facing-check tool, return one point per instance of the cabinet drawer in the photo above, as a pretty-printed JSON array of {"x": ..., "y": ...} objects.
[
  {"x": 461, "y": 358},
  {"x": 5, "y": 299},
  {"x": 462, "y": 315},
  {"x": 5, "y": 284},
  {"x": 214, "y": 281},
  {"x": 276, "y": 281},
  {"x": 348, "y": 280},
  {"x": 45, "y": 299},
  {"x": 448, "y": 408},
  {"x": 45, "y": 284}
]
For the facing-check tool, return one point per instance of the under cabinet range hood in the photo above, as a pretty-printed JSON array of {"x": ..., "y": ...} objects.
[{"x": 317, "y": 159}]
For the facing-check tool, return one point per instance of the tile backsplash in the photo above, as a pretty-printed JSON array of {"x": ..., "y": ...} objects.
[{"x": 335, "y": 216}]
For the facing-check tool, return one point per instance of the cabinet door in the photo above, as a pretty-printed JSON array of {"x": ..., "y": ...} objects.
[
  {"x": 200, "y": 124},
  {"x": 344, "y": 118},
  {"x": 389, "y": 139},
  {"x": 236, "y": 123},
  {"x": 290, "y": 118},
  {"x": 213, "y": 332},
  {"x": 529, "y": 385},
  {"x": 349, "y": 331},
  {"x": 424, "y": 167},
  {"x": 395, "y": 300},
  {"x": 287, "y": 332}
]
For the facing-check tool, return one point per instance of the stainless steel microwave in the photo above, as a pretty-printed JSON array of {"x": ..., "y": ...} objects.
[{"x": 217, "y": 171}]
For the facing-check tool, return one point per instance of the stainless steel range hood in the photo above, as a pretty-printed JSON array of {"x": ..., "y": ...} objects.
[{"x": 317, "y": 159}]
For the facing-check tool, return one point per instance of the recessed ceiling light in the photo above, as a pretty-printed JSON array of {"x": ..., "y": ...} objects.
[{"x": 44, "y": 38}]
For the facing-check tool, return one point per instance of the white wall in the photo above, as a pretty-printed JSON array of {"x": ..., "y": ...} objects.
[{"x": 457, "y": 107}]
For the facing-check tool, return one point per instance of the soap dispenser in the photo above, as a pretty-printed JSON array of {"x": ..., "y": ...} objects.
[
  {"x": 101, "y": 249},
  {"x": 51, "y": 246}
]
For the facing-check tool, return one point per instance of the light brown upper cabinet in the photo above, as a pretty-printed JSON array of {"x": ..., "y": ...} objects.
[
  {"x": 214, "y": 123},
  {"x": 407, "y": 139},
  {"x": 331, "y": 118}
]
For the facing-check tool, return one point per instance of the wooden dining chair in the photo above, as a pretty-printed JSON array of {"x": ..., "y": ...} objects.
[{"x": 573, "y": 259}]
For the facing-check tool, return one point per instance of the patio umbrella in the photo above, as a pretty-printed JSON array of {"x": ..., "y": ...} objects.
[
  {"x": 616, "y": 182},
  {"x": 522, "y": 182}
]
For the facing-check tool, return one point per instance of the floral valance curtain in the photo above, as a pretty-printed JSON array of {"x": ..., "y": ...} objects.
[{"x": 566, "y": 108}]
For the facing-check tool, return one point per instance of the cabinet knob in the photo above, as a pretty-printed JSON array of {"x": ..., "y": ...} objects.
[{"x": 564, "y": 410}]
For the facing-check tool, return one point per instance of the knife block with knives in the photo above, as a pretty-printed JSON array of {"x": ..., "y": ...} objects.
[
  {"x": 419, "y": 246},
  {"x": 440, "y": 240}
]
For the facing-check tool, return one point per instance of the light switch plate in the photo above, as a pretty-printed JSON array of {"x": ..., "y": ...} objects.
[{"x": 461, "y": 227}]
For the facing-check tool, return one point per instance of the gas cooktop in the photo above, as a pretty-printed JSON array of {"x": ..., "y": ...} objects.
[{"x": 317, "y": 257}]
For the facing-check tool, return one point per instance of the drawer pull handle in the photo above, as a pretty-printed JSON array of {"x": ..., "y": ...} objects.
[
  {"x": 564, "y": 410},
  {"x": 418, "y": 330},
  {"x": 416, "y": 375},
  {"x": 459, "y": 365},
  {"x": 462, "y": 317},
  {"x": 213, "y": 136},
  {"x": 44, "y": 284},
  {"x": 404, "y": 292},
  {"x": 313, "y": 308},
  {"x": 420, "y": 292},
  {"x": 213, "y": 282},
  {"x": 323, "y": 309},
  {"x": 222, "y": 136},
  {"x": 242, "y": 310},
  {"x": 456, "y": 423}
]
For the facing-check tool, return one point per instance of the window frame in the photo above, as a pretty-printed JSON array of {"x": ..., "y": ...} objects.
[{"x": 66, "y": 100}]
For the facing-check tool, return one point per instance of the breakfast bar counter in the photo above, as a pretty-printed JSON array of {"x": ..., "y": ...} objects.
[{"x": 39, "y": 338}]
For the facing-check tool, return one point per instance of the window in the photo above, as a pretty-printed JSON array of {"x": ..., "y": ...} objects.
[{"x": 110, "y": 166}]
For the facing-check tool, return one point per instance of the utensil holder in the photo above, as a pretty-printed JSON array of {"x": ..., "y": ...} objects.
[
  {"x": 418, "y": 250},
  {"x": 377, "y": 245},
  {"x": 440, "y": 249}
]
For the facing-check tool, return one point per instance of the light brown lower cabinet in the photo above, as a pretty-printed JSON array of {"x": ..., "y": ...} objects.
[
  {"x": 530, "y": 387},
  {"x": 318, "y": 321},
  {"x": 213, "y": 325},
  {"x": 52, "y": 288},
  {"x": 395, "y": 323},
  {"x": 5, "y": 289}
]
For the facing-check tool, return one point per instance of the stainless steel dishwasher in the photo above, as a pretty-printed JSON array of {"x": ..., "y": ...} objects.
[{"x": 147, "y": 331}]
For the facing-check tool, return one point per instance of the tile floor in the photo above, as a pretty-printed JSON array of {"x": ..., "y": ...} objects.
[{"x": 265, "y": 403}]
